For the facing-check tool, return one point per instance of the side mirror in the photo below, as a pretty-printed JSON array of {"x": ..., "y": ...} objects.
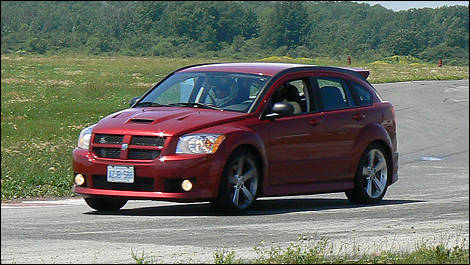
[
  {"x": 133, "y": 101},
  {"x": 281, "y": 109}
]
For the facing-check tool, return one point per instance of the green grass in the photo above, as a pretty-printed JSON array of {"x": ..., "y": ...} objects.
[
  {"x": 46, "y": 101},
  {"x": 143, "y": 258},
  {"x": 319, "y": 254}
]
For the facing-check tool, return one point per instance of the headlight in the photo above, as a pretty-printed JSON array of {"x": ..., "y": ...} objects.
[
  {"x": 199, "y": 143},
  {"x": 85, "y": 136}
]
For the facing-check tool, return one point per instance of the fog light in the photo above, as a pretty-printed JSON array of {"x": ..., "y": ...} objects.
[
  {"x": 79, "y": 179},
  {"x": 186, "y": 185}
]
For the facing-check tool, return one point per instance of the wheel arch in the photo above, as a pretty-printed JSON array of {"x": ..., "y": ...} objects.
[
  {"x": 241, "y": 137},
  {"x": 374, "y": 133},
  {"x": 259, "y": 160},
  {"x": 221, "y": 202},
  {"x": 388, "y": 153}
]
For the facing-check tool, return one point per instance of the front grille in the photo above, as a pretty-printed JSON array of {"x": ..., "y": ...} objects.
[
  {"x": 140, "y": 184},
  {"x": 108, "y": 139},
  {"x": 147, "y": 140},
  {"x": 140, "y": 147},
  {"x": 141, "y": 154},
  {"x": 105, "y": 152}
]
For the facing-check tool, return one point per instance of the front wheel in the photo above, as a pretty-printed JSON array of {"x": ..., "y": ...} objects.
[
  {"x": 105, "y": 204},
  {"x": 240, "y": 183},
  {"x": 370, "y": 183}
]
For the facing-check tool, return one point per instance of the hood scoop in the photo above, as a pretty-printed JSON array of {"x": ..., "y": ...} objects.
[
  {"x": 153, "y": 118},
  {"x": 140, "y": 120},
  {"x": 184, "y": 117}
]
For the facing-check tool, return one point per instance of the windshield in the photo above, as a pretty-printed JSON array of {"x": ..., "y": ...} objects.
[{"x": 217, "y": 90}]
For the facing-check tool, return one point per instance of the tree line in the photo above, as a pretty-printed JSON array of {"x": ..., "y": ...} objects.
[{"x": 234, "y": 29}]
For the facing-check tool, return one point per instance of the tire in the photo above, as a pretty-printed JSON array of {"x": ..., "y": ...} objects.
[
  {"x": 240, "y": 183},
  {"x": 372, "y": 174},
  {"x": 105, "y": 204}
]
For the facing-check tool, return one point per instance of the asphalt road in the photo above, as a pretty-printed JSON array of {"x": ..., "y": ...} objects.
[{"x": 428, "y": 204}]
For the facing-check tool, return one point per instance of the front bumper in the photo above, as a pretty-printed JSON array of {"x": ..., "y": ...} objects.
[{"x": 204, "y": 171}]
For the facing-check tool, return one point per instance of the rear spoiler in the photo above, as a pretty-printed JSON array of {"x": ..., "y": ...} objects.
[{"x": 364, "y": 73}]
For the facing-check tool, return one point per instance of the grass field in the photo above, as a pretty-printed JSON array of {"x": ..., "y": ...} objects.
[{"x": 46, "y": 101}]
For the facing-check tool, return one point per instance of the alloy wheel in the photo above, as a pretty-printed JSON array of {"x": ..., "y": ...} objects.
[
  {"x": 375, "y": 172},
  {"x": 243, "y": 182}
]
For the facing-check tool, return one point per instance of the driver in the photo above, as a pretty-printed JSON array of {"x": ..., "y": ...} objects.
[{"x": 224, "y": 92}]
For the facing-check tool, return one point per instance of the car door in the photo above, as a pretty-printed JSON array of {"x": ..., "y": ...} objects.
[
  {"x": 341, "y": 123},
  {"x": 292, "y": 139},
  {"x": 316, "y": 146}
]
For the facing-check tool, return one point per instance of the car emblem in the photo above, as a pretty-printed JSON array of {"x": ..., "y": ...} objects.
[
  {"x": 124, "y": 146},
  {"x": 103, "y": 140}
]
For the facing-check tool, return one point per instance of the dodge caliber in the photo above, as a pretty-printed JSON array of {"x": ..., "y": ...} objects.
[{"x": 228, "y": 133}]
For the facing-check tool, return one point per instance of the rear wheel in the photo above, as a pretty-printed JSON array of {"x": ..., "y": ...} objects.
[
  {"x": 105, "y": 204},
  {"x": 370, "y": 183},
  {"x": 240, "y": 183}
]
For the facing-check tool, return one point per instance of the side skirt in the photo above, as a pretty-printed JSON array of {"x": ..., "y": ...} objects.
[{"x": 307, "y": 188}]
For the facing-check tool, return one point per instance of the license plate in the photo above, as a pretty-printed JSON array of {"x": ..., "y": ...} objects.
[{"x": 121, "y": 174}]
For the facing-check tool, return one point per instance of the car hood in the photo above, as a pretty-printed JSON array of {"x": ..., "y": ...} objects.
[{"x": 163, "y": 121}]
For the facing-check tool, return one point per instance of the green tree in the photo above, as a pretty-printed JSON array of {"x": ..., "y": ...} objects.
[
  {"x": 285, "y": 25},
  {"x": 238, "y": 28}
]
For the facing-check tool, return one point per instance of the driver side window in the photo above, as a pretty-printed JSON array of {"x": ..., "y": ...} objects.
[{"x": 294, "y": 92}]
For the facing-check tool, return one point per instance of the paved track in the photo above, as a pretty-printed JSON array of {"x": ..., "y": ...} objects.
[{"x": 429, "y": 203}]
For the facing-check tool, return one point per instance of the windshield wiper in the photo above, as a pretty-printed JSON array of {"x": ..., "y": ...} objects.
[
  {"x": 149, "y": 104},
  {"x": 194, "y": 105}
]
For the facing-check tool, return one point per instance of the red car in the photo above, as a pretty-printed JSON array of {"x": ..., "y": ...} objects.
[{"x": 231, "y": 132}]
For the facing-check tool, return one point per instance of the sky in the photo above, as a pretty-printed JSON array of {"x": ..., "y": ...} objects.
[{"x": 404, "y": 5}]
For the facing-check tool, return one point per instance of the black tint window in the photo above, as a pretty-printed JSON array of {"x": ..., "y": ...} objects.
[{"x": 363, "y": 96}]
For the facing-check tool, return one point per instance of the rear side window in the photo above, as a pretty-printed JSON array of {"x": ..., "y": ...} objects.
[
  {"x": 362, "y": 94},
  {"x": 334, "y": 94}
]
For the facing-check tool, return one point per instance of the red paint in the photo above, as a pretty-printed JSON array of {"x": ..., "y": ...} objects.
[{"x": 304, "y": 154}]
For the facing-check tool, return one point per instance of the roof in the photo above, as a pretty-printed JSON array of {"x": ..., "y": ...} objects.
[{"x": 260, "y": 68}]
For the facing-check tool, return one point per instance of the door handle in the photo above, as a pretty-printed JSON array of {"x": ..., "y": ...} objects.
[
  {"x": 358, "y": 116},
  {"x": 315, "y": 122}
]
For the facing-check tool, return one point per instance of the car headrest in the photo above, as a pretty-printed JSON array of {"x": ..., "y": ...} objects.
[{"x": 332, "y": 97}]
